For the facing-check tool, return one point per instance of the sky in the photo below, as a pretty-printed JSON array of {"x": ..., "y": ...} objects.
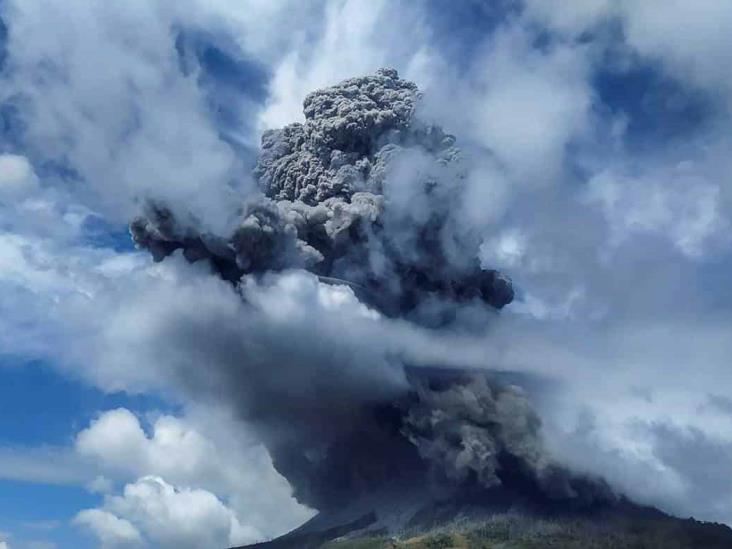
[{"x": 605, "y": 194}]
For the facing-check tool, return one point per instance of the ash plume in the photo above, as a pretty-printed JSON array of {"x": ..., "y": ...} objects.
[
  {"x": 366, "y": 196},
  {"x": 465, "y": 427},
  {"x": 362, "y": 191}
]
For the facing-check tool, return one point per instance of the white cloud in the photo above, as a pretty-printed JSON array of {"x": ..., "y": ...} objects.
[
  {"x": 39, "y": 274},
  {"x": 121, "y": 112},
  {"x": 49, "y": 465},
  {"x": 167, "y": 517},
  {"x": 678, "y": 206},
  {"x": 207, "y": 457},
  {"x": 210, "y": 452},
  {"x": 117, "y": 438},
  {"x": 357, "y": 38},
  {"x": 691, "y": 39},
  {"x": 37, "y": 266},
  {"x": 100, "y": 485},
  {"x": 111, "y": 531},
  {"x": 524, "y": 104},
  {"x": 624, "y": 386},
  {"x": 688, "y": 39},
  {"x": 174, "y": 449},
  {"x": 517, "y": 120},
  {"x": 264, "y": 29},
  {"x": 17, "y": 177}
]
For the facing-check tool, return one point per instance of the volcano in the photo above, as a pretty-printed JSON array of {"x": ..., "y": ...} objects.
[
  {"x": 494, "y": 523},
  {"x": 364, "y": 206},
  {"x": 411, "y": 507}
]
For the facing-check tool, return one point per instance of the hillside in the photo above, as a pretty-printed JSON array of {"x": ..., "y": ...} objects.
[
  {"x": 650, "y": 529},
  {"x": 516, "y": 532},
  {"x": 511, "y": 524}
]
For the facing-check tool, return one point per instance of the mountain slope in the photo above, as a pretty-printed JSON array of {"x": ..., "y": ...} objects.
[
  {"x": 517, "y": 532},
  {"x": 455, "y": 524}
]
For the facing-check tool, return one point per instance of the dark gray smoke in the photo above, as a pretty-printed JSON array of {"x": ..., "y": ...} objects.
[
  {"x": 351, "y": 131},
  {"x": 364, "y": 194},
  {"x": 464, "y": 428},
  {"x": 362, "y": 191}
]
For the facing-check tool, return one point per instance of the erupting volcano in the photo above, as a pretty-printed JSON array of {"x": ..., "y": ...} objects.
[{"x": 369, "y": 200}]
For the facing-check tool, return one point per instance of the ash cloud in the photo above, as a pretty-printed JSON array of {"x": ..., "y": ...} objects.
[
  {"x": 465, "y": 427},
  {"x": 362, "y": 191},
  {"x": 342, "y": 147},
  {"x": 367, "y": 197}
]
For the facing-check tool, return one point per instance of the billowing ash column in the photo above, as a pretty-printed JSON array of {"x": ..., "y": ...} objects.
[{"x": 362, "y": 192}]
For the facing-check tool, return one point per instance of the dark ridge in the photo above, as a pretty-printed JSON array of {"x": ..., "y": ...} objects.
[{"x": 314, "y": 540}]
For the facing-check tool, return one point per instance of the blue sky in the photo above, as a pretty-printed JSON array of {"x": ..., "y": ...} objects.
[{"x": 607, "y": 200}]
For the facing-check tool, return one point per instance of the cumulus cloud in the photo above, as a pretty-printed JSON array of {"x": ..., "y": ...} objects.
[
  {"x": 111, "y": 531},
  {"x": 152, "y": 512},
  {"x": 205, "y": 457},
  {"x": 176, "y": 449}
]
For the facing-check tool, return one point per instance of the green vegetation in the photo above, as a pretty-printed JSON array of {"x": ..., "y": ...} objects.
[{"x": 516, "y": 532}]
